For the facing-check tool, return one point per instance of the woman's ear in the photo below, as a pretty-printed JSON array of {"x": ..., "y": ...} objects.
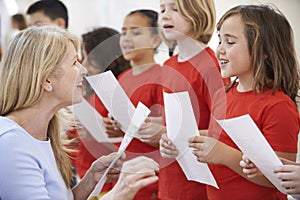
[{"x": 48, "y": 85}]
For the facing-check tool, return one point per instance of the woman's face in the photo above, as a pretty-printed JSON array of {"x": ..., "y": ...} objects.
[
  {"x": 173, "y": 24},
  {"x": 67, "y": 81}
]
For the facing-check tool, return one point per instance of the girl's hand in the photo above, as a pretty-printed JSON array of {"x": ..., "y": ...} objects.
[
  {"x": 113, "y": 128},
  {"x": 289, "y": 175},
  {"x": 248, "y": 167},
  {"x": 167, "y": 148},
  {"x": 207, "y": 149},
  {"x": 150, "y": 132}
]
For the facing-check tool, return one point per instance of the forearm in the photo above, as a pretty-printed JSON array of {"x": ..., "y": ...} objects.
[
  {"x": 232, "y": 158},
  {"x": 83, "y": 189}
]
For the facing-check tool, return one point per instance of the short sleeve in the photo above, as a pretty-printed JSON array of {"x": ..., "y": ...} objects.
[{"x": 281, "y": 126}]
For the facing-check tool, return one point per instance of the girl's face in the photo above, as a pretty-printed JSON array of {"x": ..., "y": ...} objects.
[
  {"x": 232, "y": 52},
  {"x": 137, "y": 38},
  {"x": 91, "y": 66},
  {"x": 173, "y": 24}
]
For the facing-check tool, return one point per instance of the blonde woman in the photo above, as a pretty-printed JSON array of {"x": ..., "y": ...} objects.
[{"x": 39, "y": 75}]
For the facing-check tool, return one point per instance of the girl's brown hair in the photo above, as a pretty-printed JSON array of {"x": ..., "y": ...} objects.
[{"x": 271, "y": 46}]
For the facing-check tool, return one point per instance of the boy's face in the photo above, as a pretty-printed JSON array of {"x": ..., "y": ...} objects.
[{"x": 39, "y": 18}]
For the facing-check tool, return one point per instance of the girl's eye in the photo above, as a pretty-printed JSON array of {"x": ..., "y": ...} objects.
[
  {"x": 162, "y": 10},
  {"x": 123, "y": 33},
  {"x": 135, "y": 32},
  {"x": 230, "y": 42}
]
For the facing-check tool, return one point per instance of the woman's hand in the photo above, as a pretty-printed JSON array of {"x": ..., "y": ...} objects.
[
  {"x": 94, "y": 174},
  {"x": 100, "y": 165},
  {"x": 136, "y": 174},
  {"x": 167, "y": 148}
]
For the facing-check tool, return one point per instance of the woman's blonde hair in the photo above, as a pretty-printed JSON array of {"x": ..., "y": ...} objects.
[
  {"x": 32, "y": 55},
  {"x": 202, "y": 15}
]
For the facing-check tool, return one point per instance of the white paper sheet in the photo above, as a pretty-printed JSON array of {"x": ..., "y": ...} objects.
[
  {"x": 247, "y": 136},
  {"x": 92, "y": 121},
  {"x": 113, "y": 97},
  {"x": 139, "y": 116},
  {"x": 181, "y": 125}
]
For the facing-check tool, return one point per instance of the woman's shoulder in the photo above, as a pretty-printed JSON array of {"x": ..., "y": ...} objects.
[
  {"x": 11, "y": 134},
  {"x": 8, "y": 126}
]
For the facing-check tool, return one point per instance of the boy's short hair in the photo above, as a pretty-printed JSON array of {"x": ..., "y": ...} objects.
[{"x": 52, "y": 8}]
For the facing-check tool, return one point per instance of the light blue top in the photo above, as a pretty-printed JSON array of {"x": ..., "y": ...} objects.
[{"x": 28, "y": 168}]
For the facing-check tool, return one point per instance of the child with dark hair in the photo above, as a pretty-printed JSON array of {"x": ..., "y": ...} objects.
[
  {"x": 100, "y": 52},
  {"x": 139, "y": 41},
  {"x": 48, "y": 12},
  {"x": 18, "y": 22}
]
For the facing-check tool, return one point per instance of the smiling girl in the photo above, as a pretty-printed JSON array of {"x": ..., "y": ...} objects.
[
  {"x": 256, "y": 45},
  {"x": 142, "y": 82}
]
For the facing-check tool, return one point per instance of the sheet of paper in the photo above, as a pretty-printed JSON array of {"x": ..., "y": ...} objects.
[
  {"x": 246, "y": 135},
  {"x": 139, "y": 116},
  {"x": 113, "y": 97},
  {"x": 92, "y": 121},
  {"x": 181, "y": 125}
]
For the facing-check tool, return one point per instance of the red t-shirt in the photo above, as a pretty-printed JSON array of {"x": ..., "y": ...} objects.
[
  {"x": 146, "y": 88},
  {"x": 200, "y": 76},
  {"x": 278, "y": 119}
]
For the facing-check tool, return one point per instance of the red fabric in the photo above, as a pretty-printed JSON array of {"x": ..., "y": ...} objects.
[
  {"x": 72, "y": 134},
  {"x": 85, "y": 158},
  {"x": 200, "y": 76},
  {"x": 146, "y": 88},
  {"x": 278, "y": 119}
]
